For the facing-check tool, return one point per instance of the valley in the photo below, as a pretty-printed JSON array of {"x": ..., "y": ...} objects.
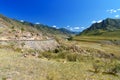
[{"x": 38, "y": 52}]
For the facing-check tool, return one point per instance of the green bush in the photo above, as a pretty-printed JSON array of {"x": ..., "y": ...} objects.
[
  {"x": 108, "y": 66},
  {"x": 13, "y": 27},
  {"x": 56, "y": 51},
  {"x": 17, "y": 49},
  {"x": 22, "y": 29},
  {"x": 48, "y": 55},
  {"x": 40, "y": 56},
  {"x": 22, "y": 44},
  {"x": 70, "y": 38},
  {"x": 62, "y": 55},
  {"x": 97, "y": 66},
  {"x": 4, "y": 78},
  {"x": 71, "y": 57},
  {"x": 112, "y": 67}
]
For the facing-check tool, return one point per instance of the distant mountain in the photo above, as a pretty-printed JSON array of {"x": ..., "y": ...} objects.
[
  {"x": 108, "y": 27},
  {"x": 15, "y": 29},
  {"x": 65, "y": 31}
]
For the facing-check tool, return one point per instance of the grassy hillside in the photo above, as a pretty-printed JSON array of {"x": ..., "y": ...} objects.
[
  {"x": 103, "y": 33},
  {"x": 112, "y": 34},
  {"x": 107, "y": 28}
]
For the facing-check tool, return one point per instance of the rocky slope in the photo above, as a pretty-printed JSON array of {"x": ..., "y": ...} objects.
[
  {"x": 41, "y": 45},
  {"x": 34, "y": 36},
  {"x": 17, "y": 30}
]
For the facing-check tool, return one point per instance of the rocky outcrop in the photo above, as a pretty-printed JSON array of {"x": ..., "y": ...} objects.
[{"x": 42, "y": 45}]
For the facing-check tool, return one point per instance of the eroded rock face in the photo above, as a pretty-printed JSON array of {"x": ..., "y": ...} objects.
[{"x": 43, "y": 45}]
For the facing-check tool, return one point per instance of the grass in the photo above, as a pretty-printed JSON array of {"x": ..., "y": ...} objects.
[
  {"x": 99, "y": 43},
  {"x": 95, "y": 38},
  {"x": 61, "y": 64},
  {"x": 13, "y": 65}
]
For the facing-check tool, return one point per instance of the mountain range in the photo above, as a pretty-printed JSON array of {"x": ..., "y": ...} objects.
[
  {"x": 108, "y": 27},
  {"x": 23, "y": 30}
]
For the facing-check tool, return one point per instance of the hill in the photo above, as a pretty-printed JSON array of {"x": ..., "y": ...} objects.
[
  {"x": 108, "y": 27},
  {"x": 23, "y": 30}
]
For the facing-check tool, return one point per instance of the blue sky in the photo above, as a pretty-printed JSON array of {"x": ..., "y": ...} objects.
[{"x": 74, "y": 15}]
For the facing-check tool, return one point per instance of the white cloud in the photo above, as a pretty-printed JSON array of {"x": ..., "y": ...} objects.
[
  {"x": 76, "y": 28},
  {"x": 71, "y": 29},
  {"x": 118, "y": 9},
  {"x": 21, "y": 20},
  {"x": 93, "y": 21},
  {"x": 37, "y": 23},
  {"x": 113, "y": 10},
  {"x": 117, "y": 16},
  {"x": 54, "y": 26},
  {"x": 82, "y": 27},
  {"x": 68, "y": 26},
  {"x": 99, "y": 21}
]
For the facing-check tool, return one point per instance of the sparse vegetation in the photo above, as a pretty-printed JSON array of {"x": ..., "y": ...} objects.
[
  {"x": 72, "y": 57},
  {"x": 106, "y": 66}
]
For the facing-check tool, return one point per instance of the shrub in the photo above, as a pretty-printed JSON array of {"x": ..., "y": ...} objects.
[
  {"x": 70, "y": 38},
  {"x": 12, "y": 45},
  {"x": 13, "y": 27},
  {"x": 16, "y": 36},
  {"x": 112, "y": 67},
  {"x": 56, "y": 51},
  {"x": 40, "y": 56},
  {"x": 97, "y": 66},
  {"x": 108, "y": 66},
  {"x": 62, "y": 55},
  {"x": 17, "y": 49},
  {"x": 116, "y": 68},
  {"x": 13, "y": 30},
  {"x": 48, "y": 55},
  {"x": 22, "y": 44},
  {"x": 4, "y": 78},
  {"x": 71, "y": 57},
  {"x": 22, "y": 29}
]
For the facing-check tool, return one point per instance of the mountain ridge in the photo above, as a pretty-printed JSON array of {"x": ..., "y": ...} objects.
[
  {"x": 108, "y": 25},
  {"x": 15, "y": 29}
]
